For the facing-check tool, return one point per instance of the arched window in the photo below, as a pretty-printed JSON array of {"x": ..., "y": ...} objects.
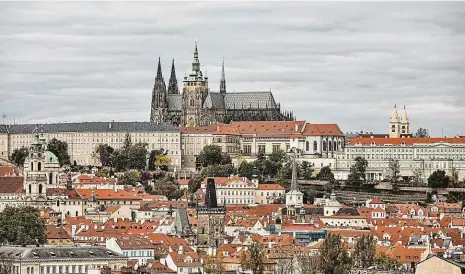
[
  {"x": 324, "y": 145},
  {"x": 77, "y": 213},
  {"x": 330, "y": 147},
  {"x": 339, "y": 145},
  {"x": 30, "y": 188},
  {"x": 315, "y": 146},
  {"x": 335, "y": 145},
  {"x": 32, "y": 166},
  {"x": 307, "y": 146},
  {"x": 40, "y": 189},
  {"x": 192, "y": 102},
  {"x": 39, "y": 166},
  {"x": 58, "y": 202}
]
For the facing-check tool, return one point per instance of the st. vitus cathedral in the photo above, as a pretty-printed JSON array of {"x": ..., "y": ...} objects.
[{"x": 198, "y": 106}]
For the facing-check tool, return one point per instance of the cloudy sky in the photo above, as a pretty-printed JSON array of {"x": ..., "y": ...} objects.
[{"x": 346, "y": 63}]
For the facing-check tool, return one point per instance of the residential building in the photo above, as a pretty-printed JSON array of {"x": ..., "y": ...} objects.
[
  {"x": 233, "y": 190},
  {"x": 48, "y": 260},
  {"x": 194, "y": 139},
  {"x": 414, "y": 155},
  {"x": 136, "y": 248},
  {"x": 83, "y": 138},
  {"x": 269, "y": 193}
]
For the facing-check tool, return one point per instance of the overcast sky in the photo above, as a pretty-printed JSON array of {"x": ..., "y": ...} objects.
[{"x": 345, "y": 63}]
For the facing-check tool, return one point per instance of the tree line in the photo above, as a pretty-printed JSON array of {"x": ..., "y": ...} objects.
[
  {"x": 333, "y": 258},
  {"x": 277, "y": 165}
]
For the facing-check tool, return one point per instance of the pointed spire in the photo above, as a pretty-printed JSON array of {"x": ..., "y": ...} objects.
[
  {"x": 173, "y": 82},
  {"x": 223, "y": 80},
  {"x": 159, "y": 72},
  {"x": 395, "y": 115},
  {"x": 196, "y": 62},
  {"x": 294, "y": 171},
  {"x": 404, "y": 116}
]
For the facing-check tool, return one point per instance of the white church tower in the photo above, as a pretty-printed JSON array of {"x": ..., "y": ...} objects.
[
  {"x": 399, "y": 126},
  {"x": 294, "y": 198},
  {"x": 40, "y": 170}
]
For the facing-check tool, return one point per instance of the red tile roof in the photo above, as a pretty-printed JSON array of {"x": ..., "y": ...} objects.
[
  {"x": 108, "y": 194},
  {"x": 270, "y": 187},
  {"x": 407, "y": 141},
  {"x": 11, "y": 185}
]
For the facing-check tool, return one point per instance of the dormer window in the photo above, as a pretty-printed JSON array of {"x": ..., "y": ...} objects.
[
  {"x": 403, "y": 143},
  {"x": 373, "y": 143},
  {"x": 52, "y": 254}
]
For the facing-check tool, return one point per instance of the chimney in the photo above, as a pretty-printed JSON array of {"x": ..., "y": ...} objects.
[
  {"x": 296, "y": 128},
  {"x": 376, "y": 227},
  {"x": 95, "y": 227},
  {"x": 115, "y": 220},
  {"x": 180, "y": 251}
]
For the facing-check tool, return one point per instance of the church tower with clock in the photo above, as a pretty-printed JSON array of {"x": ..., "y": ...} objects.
[{"x": 194, "y": 92}]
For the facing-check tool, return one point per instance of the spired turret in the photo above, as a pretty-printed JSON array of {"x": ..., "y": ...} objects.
[
  {"x": 173, "y": 82},
  {"x": 223, "y": 80},
  {"x": 159, "y": 102}
]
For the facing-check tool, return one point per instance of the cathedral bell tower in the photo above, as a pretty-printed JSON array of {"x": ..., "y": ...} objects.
[
  {"x": 159, "y": 102},
  {"x": 194, "y": 92}
]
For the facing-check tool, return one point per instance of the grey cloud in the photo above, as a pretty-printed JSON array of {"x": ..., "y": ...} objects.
[{"x": 329, "y": 62}]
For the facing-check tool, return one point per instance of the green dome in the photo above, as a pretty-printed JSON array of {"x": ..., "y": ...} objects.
[{"x": 50, "y": 158}]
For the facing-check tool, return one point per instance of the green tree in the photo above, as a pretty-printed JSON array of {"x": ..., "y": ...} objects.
[
  {"x": 438, "y": 179},
  {"x": 325, "y": 174},
  {"x": 365, "y": 251},
  {"x": 60, "y": 149},
  {"x": 168, "y": 187},
  {"x": 19, "y": 156},
  {"x": 103, "y": 173},
  {"x": 153, "y": 156},
  {"x": 421, "y": 133},
  {"x": 246, "y": 169},
  {"x": 334, "y": 257},
  {"x": 104, "y": 154},
  {"x": 218, "y": 171},
  {"x": 357, "y": 174},
  {"x": 212, "y": 155},
  {"x": 281, "y": 177},
  {"x": 253, "y": 259},
  {"x": 383, "y": 262},
  {"x": 21, "y": 226},
  {"x": 394, "y": 174},
  {"x": 454, "y": 178},
  {"x": 137, "y": 156},
  {"x": 305, "y": 170},
  {"x": 194, "y": 183},
  {"x": 129, "y": 178},
  {"x": 127, "y": 142},
  {"x": 163, "y": 162},
  {"x": 417, "y": 176},
  {"x": 119, "y": 160}
]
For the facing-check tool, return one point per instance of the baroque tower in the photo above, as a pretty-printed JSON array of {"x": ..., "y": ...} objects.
[
  {"x": 195, "y": 90},
  {"x": 159, "y": 102},
  {"x": 394, "y": 124},
  {"x": 173, "y": 82},
  {"x": 223, "y": 80},
  {"x": 404, "y": 123}
]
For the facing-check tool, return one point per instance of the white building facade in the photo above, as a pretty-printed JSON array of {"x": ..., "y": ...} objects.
[{"x": 424, "y": 155}]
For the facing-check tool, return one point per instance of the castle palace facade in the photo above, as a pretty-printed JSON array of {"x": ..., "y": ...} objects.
[{"x": 198, "y": 106}]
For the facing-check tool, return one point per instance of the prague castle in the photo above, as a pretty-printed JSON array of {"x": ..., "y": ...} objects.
[{"x": 198, "y": 106}]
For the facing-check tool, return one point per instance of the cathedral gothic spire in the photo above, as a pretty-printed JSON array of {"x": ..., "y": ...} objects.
[
  {"x": 223, "y": 80},
  {"x": 158, "y": 95},
  {"x": 173, "y": 82}
]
